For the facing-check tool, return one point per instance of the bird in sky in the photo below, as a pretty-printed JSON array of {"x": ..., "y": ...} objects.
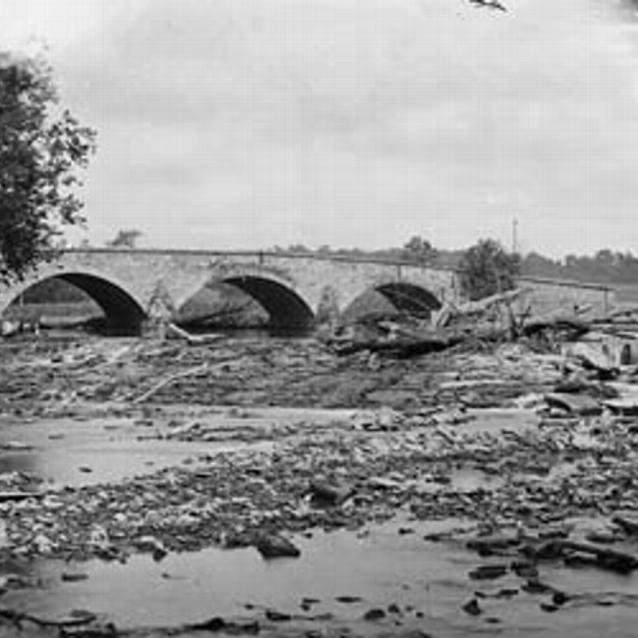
[{"x": 489, "y": 4}]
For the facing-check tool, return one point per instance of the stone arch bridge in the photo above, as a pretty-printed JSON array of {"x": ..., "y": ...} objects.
[{"x": 134, "y": 285}]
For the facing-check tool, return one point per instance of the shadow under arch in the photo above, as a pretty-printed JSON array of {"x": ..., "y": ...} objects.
[
  {"x": 410, "y": 298},
  {"x": 287, "y": 310},
  {"x": 123, "y": 314},
  {"x": 393, "y": 297}
]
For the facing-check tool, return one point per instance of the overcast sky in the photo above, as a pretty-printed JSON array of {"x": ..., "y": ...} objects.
[{"x": 249, "y": 123}]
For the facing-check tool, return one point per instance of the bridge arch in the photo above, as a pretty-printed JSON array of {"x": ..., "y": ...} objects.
[
  {"x": 286, "y": 306},
  {"x": 402, "y": 296},
  {"x": 410, "y": 298},
  {"x": 123, "y": 312}
]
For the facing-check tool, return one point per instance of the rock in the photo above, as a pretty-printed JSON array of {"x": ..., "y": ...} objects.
[
  {"x": 348, "y": 599},
  {"x": 375, "y": 613},
  {"x": 217, "y": 623},
  {"x": 226, "y": 627},
  {"x": 489, "y": 545},
  {"x": 488, "y": 572},
  {"x": 43, "y": 544},
  {"x": 276, "y": 546},
  {"x": 472, "y": 608},
  {"x": 535, "y": 586},
  {"x": 580, "y": 404},
  {"x": 383, "y": 483},
  {"x": 73, "y": 577},
  {"x": 107, "y": 630},
  {"x": 277, "y": 616},
  {"x": 524, "y": 568},
  {"x": 310, "y": 601},
  {"x": 548, "y": 607},
  {"x": 327, "y": 494},
  {"x": 151, "y": 544},
  {"x": 601, "y": 536},
  {"x": 594, "y": 358},
  {"x": 560, "y": 598}
]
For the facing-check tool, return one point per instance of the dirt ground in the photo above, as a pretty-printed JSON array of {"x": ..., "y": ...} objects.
[{"x": 450, "y": 493}]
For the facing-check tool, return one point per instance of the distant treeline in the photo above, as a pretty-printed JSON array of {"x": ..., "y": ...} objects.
[{"x": 605, "y": 267}]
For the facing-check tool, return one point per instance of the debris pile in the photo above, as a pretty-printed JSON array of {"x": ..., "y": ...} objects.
[{"x": 521, "y": 427}]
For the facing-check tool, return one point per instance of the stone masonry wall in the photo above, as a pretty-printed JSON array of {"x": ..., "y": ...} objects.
[{"x": 547, "y": 296}]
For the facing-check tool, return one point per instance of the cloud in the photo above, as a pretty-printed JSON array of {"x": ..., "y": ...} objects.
[{"x": 254, "y": 122}]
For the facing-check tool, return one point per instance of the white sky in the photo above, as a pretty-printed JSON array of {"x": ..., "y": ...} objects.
[{"x": 249, "y": 123}]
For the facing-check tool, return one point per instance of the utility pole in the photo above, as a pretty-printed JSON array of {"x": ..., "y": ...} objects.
[{"x": 514, "y": 235}]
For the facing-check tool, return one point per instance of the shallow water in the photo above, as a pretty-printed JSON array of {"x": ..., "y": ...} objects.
[
  {"x": 428, "y": 581},
  {"x": 383, "y": 568},
  {"x": 62, "y": 451}
]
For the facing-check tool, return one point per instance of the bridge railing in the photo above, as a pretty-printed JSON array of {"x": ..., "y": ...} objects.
[{"x": 260, "y": 253}]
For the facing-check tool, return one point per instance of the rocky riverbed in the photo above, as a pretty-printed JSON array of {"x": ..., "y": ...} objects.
[{"x": 266, "y": 486}]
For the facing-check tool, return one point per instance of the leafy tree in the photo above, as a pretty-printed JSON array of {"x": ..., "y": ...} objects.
[
  {"x": 125, "y": 239},
  {"x": 419, "y": 250},
  {"x": 298, "y": 248},
  {"x": 486, "y": 269},
  {"x": 41, "y": 148}
]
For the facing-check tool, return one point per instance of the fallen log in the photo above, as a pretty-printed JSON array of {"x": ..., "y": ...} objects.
[
  {"x": 482, "y": 305},
  {"x": 173, "y": 377},
  {"x": 175, "y": 332},
  {"x": 401, "y": 346},
  {"x": 573, "y": 323}
]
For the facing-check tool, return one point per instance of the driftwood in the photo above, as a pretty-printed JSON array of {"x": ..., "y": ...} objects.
[
  {"x": 175, "y": 332},
  {"x": 556, "y": 321},
  {"x": 173, "y": 377},
  {"x": 482, "y": 305},
  {"x": 400, "y": 345},
  {"x": 19, "y": 496},
  {"x": 406, "y": 343},
  {"x": 489, "y": 319}
]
